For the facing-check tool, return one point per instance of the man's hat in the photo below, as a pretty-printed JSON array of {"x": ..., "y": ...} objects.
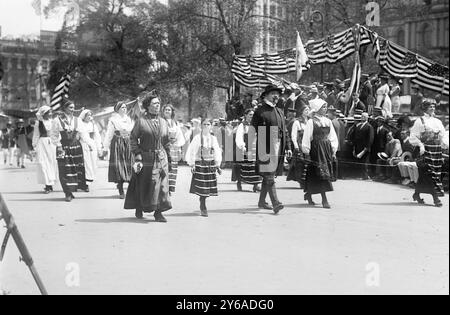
[
  {"x": 383, "y": 156},
  {"x": 20, "y": 121},
  {"x": 271, "y": 88}
]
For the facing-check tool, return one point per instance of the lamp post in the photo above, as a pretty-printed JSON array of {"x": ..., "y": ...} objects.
[{"x": 317, "y": 16}]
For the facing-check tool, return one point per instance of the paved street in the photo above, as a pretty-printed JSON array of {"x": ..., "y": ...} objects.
[{"x": 237, "y": 250}]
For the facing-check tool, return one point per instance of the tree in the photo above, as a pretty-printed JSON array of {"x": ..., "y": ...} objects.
[{"x": 118, "y": 47}]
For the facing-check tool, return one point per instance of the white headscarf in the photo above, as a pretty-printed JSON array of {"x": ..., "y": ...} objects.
[
  {"x": 84, "y": 113},
  {"x": 42, "y": 111},
  {"x": 316, "y": 104}
]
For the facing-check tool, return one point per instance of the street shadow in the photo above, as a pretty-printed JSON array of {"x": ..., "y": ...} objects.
[
  {"x": 400, "y": 204},
  {"x": 25, "y": 193},
  {"x": 117, "y": 220},
  {"x": 302, "y": 206},
  {"x": 61, "y": 200}
]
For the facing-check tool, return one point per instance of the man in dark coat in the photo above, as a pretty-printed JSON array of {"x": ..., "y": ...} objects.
[
  {"x": 272, "y": 143},
  {"x": 380, "y": 137},
  {"x": 362, "y": 139}
]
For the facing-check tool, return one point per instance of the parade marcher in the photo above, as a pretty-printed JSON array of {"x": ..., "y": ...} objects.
[
  {"x": 428, "y": 132},
  {"x": 117, "y": 141},
  {"x": 177, "y": 141},
  {"x": 65, "y": 134},
  {"x": 246, "y": 155},
  {"x": 47, "y": 166},
  {"x": 21, "y": 135},
  {"x": 204, "y": 156},
  {"x": 148, "y": 191},
  {"x": 271, "y": 130},
  {"x": 92, "y": 145},
  {"x": 383, "y": 99},
  {"x": 8, "y": 143},
  {"x": 297, "y": 169},
  {"x": 362, "y": 138},
  {"x": 320, "y": 144}
]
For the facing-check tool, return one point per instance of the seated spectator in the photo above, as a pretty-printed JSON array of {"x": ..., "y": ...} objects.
[
  {"x": 388, "y": 160},
  {"x": 408, "y": 169}
]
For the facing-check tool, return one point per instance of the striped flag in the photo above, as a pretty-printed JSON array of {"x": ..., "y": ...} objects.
[
  {"x": 301, "y": 58},
  {"x": 432, "y": 76},
  {"x": 37, "y": 6},
  {"x": 61, "y": 92},
  {"x": 334, "y": 48},
  {"x": 399, "y": 61}
]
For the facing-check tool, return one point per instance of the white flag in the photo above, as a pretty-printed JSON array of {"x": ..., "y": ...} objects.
[{"x": 301, "y": 57}]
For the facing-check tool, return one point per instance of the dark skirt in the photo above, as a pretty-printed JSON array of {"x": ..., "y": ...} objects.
[
  {"x": 149, "y": 190},
  {"x": 319, "y": 174},
  {"x": 430, "y": 172},
  {"x": 120, "y": 161},
  {"x": 248, "y": 173},
  {"x": 297, "y": 169},
  {"x": 204, "y": 180},
  {"x": 71, "y": 168}
]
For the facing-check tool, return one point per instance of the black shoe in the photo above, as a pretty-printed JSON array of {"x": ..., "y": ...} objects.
[
  {"x": 438, "y": 203},
  {"x": 239, "y": 186},
  {"x": 50, "y": 188},
  {"x": 419, "y": 200},
  {"x": 277, "y": 208},
  {"x": 308, "y": 198},
  {"x": 138, "y": 214},
  {"x": 256, "y": 188},
  {"x": 160, "y": 218},
  {"x": 204, "y": 213},
  {"x": 326, "y": 205},
  {"x": 47, "y": 190},
  {"x": 69, "y": 198},
  {"x": 85, "y": 189},
  {"x": 264, "y": 206}
]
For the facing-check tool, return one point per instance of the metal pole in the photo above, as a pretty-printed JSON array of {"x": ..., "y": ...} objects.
[{"x": 26, "y": 256}]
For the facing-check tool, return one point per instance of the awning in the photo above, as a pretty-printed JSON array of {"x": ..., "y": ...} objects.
[{"x": 17, "y": 113}]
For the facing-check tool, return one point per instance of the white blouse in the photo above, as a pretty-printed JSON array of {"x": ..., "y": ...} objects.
[
  {"x": 431, "y": 123},
  {"x": 298, "y": 126},
  {"x": 175, "y": 128},
  {"x": 37, "y": 135},
  {"x": 117, "y": 123},
  {"x": 193, "y": 152},
  {"x": 241, "y": 131},
  {"x": 74, "y": 125},
  {"x": 91, "y": 127},
  {"x": 309, "y": 134}
]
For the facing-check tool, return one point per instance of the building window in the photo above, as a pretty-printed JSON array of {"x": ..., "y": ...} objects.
[{"x": 401, "y": 38}]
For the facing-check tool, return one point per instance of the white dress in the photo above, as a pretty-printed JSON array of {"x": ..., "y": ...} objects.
[
  {"x": 386, "y": 106},
  {"x": 92, "y": 145},
  {"x": 47, "y": 165}
]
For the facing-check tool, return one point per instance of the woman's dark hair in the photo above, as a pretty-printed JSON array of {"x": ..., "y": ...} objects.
[
  {"x": 248, "y": 111},
  {"x": 66, "y": 104},
  {"x": 147, "y": 100},
  {"x": 171, "y": 107},
  {"x": 426, "y": 105}
]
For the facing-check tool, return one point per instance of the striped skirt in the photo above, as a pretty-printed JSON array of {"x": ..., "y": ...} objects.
[
  {"x": 204, "y": 180},
  {"x": 71, "y": 168},
  {"x": 120, "y": 161},
  {"x": 248, "y": 173},
  {"x": 430, "y": 174},
  {"x": 175, "y": 158}
]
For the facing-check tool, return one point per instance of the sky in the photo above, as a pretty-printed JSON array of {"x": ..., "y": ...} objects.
[{"x": 18, "y": 18}]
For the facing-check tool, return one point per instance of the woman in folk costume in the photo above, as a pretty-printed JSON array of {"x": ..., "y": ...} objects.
[
  {"x": 177, "y": 141},
  {"x": 297, "y": 170},
  {"x": 117, "y": 141},
  {"x": 246, "y": 153},
  {"x": 47, "y": 166},
  {"x": 320, "y": 144},
  {"x": 383, "y": 99},
  {"x": 428, "y": 133},
  {"x": 66, "y": 134},
  {"x": 204, "y": 156},
  {"x": 150, "y": 144},
  {"x": 92, "y": 146}
]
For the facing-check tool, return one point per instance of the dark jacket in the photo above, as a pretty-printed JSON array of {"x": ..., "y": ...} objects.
[
  {"x": 266, "y": 117},
  {"x": 363, "y": 138}
]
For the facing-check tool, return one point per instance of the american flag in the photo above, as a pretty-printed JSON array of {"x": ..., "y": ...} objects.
[
  {"x": 334, "y": 48},
  {"x": 432, "y": 76},
  {"x": 61, "y": 92},
  {"x": 398, "y": 61}
]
